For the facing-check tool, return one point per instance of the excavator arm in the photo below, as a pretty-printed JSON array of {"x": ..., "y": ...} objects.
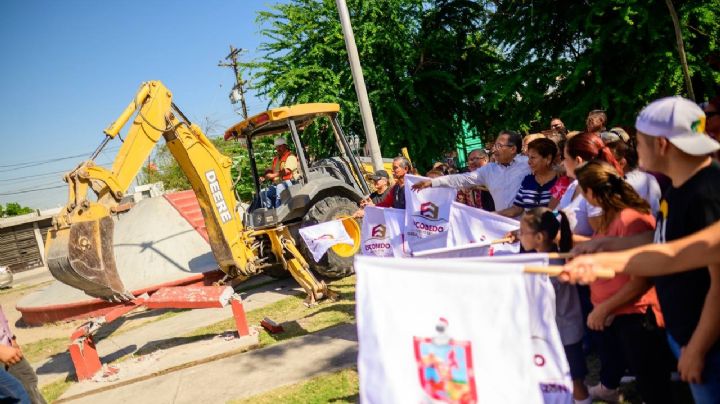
[{"x": 79, "y": 246}]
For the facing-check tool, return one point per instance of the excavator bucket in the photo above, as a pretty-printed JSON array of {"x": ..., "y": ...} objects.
[{"x": 82, "y": 256}]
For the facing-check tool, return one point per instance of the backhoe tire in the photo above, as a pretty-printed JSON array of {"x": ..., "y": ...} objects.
[{"x": 331, "y": 265}]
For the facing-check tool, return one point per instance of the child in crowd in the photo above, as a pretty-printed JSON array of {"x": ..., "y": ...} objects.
[
  {"x": 625, "y": 308},
  {"x": 539, "y": 228}
]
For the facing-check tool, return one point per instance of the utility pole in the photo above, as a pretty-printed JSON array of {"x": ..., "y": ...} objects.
[
  {"x": 238, "y": 91},
  {"x": 359, "y": 80}
]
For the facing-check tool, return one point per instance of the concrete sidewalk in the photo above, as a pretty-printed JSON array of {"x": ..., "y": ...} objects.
[
  {"x": 242, "y": 375},
  {"x": 146, "y": 337}
]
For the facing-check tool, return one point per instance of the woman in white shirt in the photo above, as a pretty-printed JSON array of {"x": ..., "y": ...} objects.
[
  {"x": 584, "y": 218},
  {"x": 644, "y": 183}
]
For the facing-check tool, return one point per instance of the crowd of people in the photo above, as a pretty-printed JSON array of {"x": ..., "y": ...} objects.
[{"x": 601, "y": 190}]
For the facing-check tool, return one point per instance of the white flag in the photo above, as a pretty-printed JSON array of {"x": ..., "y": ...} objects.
[
  {"x": 320, "y": 237},
  {"x": 395, "y": 221},
  {"x": 375, "y": 234},
  {"x": 451, "y": 333},
  {"x": 427, "y": 215},
  {"x": 550, "y": 362},
  {"x": 470, "y": 225}
]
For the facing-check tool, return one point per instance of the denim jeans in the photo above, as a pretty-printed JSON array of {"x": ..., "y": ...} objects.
[
  {"x": 272, "y": 195},
  {"x": 11, "y": 390},
  {"x": 709, "y": 390}
]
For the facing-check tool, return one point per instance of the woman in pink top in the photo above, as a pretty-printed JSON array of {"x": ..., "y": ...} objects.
[{"x": 625, "y": 308}]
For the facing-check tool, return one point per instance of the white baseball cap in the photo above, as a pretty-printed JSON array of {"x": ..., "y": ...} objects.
[
  {"x": 679, "y": 120},
  {"x": 279, "y": 141}
]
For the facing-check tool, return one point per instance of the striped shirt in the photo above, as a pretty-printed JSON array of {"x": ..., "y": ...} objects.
[{"x": 533, "y": 195}]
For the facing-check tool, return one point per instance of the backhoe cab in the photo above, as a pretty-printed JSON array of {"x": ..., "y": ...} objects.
[
  {"x": 327, "y": 188},
  {"x": 79, "y": 246}
]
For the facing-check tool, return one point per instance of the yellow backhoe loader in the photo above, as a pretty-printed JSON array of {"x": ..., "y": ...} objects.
[{"x": 79, "y": 246}]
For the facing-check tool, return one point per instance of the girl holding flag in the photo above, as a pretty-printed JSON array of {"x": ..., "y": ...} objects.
[{"x": 539, "y": 228}]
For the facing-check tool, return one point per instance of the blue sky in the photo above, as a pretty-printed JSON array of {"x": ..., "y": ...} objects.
[{"x": 69, "y": 67}]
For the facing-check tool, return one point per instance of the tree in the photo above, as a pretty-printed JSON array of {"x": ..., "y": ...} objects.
[
  {"x": 431, "y": 66},
  {"x": 423, "y": 64},
  {"x": 164, "y": 168},
  {"x": 569, "y": 57},
  {"x": 14, "y": 209}
]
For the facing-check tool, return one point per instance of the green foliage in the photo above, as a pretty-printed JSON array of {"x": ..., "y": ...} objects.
[
  {"x": 568, "y": 57},
  {"x": 14, "y": 209},
  {"x": 166, "y": 169},
  {"x": 430, "y": 65},
  {"x": 263, "y": 150},
  {"x": 420, "y": 61}
]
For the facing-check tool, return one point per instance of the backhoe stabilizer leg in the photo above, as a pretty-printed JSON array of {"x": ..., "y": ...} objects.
[{"x": 315, "y": 289}]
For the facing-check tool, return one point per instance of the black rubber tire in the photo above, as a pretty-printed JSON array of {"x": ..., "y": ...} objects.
[{"x": 331, "y": 265}]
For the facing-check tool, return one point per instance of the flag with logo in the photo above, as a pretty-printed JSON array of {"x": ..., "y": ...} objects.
[
  {"x": 427, "y": 215},
  {"x": 320, "y": 237},
  {"x": 548, "y": 355},
  {"x": 470, "y": 225},
  {"x": 375, "y": 235},
  {"x": 439, "y": 347}
]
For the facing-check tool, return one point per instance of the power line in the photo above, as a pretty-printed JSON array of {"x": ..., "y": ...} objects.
[
  {"x": 17, "y": 166},
  {"x": 43, "y": 161},
  {"x": 33, "y": 176},
  {"x": 29, "y": 178},
  {"x": 25, "y": 191}
]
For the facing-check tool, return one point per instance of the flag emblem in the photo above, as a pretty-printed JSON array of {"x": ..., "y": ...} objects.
[
  {"x": 429, "y": 210},
  {"x": 445, "y": 367},
  {"x": 378, "y": 231}
]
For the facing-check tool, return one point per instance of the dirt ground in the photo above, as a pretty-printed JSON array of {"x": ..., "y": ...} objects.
[{"x": 22, "y": 287}]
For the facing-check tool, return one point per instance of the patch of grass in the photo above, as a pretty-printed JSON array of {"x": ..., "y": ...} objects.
[
  {"x": 295, "y": 317},
  {"x": 44, "y": 348},
  {"x": 53, "y": 391},
  {"x": 339, "y": 387}
]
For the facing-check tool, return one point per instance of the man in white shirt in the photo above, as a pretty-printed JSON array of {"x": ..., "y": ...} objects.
[{"x": 502, "y": 177}]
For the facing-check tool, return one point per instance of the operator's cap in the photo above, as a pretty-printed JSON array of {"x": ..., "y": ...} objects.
[
  {"x": 379, "y": 174},
  {"x": 279, "y": 141},
  {"x": 679, "y": 120}
]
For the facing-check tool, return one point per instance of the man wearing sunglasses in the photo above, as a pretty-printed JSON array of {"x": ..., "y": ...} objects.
[{"x": 502, "y": 177}]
